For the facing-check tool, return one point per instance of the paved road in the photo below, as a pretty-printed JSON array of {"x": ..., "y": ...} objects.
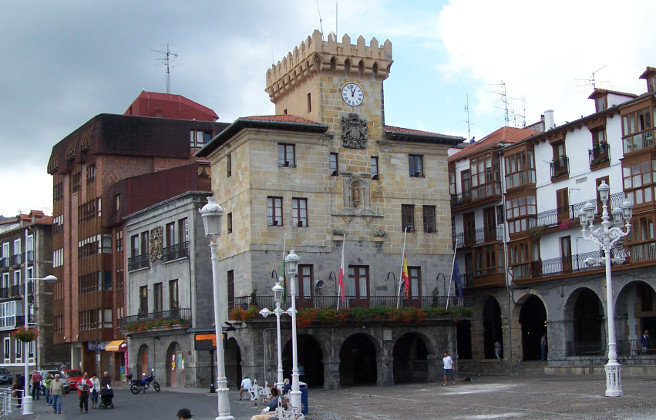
[{"x": 512, "y": 397}]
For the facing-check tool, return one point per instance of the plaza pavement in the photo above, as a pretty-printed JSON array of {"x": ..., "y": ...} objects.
[{"x": 486, "y": 397}]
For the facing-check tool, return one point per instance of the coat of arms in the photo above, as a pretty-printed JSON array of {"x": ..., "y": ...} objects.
[
  {"x": 156, "y": 245},
  {"x": 354, "y": 132}
]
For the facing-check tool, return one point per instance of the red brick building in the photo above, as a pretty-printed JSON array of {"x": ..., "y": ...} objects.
[{"x": 111, "y": 166}]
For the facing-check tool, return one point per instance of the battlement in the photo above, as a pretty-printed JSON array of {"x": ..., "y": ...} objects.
[{"x": 316, "y": 55}]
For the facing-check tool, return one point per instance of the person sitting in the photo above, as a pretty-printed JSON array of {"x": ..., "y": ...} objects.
[
  {"x": 273, "y": 402},
  {"x": 246, "y": 385},
  {"x": 286, "y": 387}
]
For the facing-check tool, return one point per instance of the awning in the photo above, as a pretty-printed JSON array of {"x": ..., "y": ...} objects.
[{"x": 116, "y": 345}]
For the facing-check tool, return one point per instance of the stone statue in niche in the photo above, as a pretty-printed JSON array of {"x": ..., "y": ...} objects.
[
  {"x": 356, "y": 192},
  {"x": 156, "y": 244},
  {"x": 354, "y": 132}
]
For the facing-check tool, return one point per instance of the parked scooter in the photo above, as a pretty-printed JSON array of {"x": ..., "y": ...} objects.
[{"x": 138, "y": 385}]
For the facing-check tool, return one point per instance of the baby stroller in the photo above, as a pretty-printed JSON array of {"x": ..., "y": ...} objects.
[{"x": 106, "y": 396}]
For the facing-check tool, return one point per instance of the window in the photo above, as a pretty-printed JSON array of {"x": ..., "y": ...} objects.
[
  {"x": 144, "y": 243},
  {"x": 18, "y": 349},
  {"x": 134, "y": 246},
  {"x": 91, "y": 173},
  {"x": 58, "y": 223},
  {"x": 230, "y": 280},
  {"x": 416, "y": 165},
  {"x": 228, "y": 165},
  {"x": 7, "y": 349},
  {"x": 414, "y": 274},
  {"x": 143, "y": 300},
  {"x": 304, "y": 281},
  {"x": 57, "y": 192},
  {"x": 562, "y": 204},
  {"x": 229, "y": 223},
  {"x": 374, "y": 167},
  {"x": 641, "y": 240},
  {"x": 637, "y": 130},
  {"x": 286, "y": 155},
  {"x": 17, "y": 251},
  {"x": 429, "y": 219},
  {"x": 651, "y": 84},
  {"x": 29, "y": 248},
  {"x": 198, "y": 139},
  {"x": 638, "y": 181},
  {"x": 520, "y": 169},
  {"x": 117, "y": 202},
  {"x": 408, "y": 217},
  {"x": 170, "y": 234},
  {"x": 75, "y": 182},
  {"x": 520, "y": 213},
  {"x": 566, "y": 253},
  {"x": 334, "y": 166},
  {"x": 17, "y": 278},
  {"x": 309, "y": 102},
  {"x": 299, "y": 212},
  {"x": 599, "y": 152},
  {"x": 600, "y": 103},
  {"x": 465, "y": 179},
  {"x": 58, "y": 257},
  {"x": 357, "y": 284},
  {"x": 157, "y": 292},
  {"x": 560, "y": 164},
  {"x": 119, "y": 241},
  {"x": 174, "y": 302},
  {"x": 485, "y": 170},
  {"x": 5, "y": 280},
  {"x": 274, "y": 211}
]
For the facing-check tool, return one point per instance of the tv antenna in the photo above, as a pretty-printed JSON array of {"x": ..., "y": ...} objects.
[
  {"x": 593, "y": 81},
  {"x": 468, "y": 120},
  {"x": 320, "y": 20},
  {"x": 166, "y": 60},
  {"x": 504, "y": 98}
]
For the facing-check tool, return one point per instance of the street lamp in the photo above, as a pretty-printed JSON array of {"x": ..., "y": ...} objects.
[
  {"x": 291, "y": 263},
  {"x": 27, "y": 399},
  {"x": 607, "y": 235},
  {"x": 212, "y": 213},
  {"x": 277, "y": 297}
]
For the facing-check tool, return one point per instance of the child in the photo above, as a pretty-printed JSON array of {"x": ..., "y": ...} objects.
[{"x": 95, "y": 382}]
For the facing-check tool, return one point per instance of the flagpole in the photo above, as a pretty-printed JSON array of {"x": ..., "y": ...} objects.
[
  {"x": 398, "y": 288},
  {"x": 448, "y": 294},
  {"x": 341, "y": 267}
]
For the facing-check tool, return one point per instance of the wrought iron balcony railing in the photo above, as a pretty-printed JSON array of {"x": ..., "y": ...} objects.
[
  {"x": 181, "y": 313},
  {"x": 176, "y": 251},
  {"x": 559, "y": 167},
  {"x": 138, "y": 261},
  {"x": 599, "y": 154}
]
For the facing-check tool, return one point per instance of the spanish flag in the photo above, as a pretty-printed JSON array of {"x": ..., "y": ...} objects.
[{"x": 405, "y": 277}]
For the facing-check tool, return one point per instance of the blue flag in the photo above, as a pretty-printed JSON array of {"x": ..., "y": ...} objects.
[{"x": 455, "y": 277}]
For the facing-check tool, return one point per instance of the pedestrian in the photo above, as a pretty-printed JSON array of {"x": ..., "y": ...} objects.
[
  {"x": 36, "y": 383},
  {"x": 286, "y": 387},
  {"x": 543, "y": 346},
  {"x": 448, "y": 368},
  {"x": 105, "y": 381},
  {"x": 246, "y": 385},
  {"x": 644, "y": 341},
  {"x": 46, "y": 383},
  {"x": 57, "y": 393},
  {"x": 95, "y": 390},
  {"x": 184, "y": 414},
  {"x": 497, "y": 349},
  {"x": 83, "y": 388},
  {"x": 17, "y": 387}
]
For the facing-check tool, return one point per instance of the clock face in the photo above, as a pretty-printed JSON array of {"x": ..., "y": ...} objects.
[{"x": 352, "y": 94}]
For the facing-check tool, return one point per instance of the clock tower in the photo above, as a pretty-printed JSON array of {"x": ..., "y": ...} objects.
[{"x": 335, "y": 83}]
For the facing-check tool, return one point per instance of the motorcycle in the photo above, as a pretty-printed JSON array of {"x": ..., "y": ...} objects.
[{"x": 138, "y": 385}]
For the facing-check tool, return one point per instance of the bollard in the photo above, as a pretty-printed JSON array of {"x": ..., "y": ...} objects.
[{"x": 27, "y": 405}]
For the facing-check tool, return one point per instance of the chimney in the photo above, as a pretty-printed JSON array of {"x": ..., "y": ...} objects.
[{"x": 549, "y": 120}]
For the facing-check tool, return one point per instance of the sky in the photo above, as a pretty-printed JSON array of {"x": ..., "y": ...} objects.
[{"x": 62, "y": 63}]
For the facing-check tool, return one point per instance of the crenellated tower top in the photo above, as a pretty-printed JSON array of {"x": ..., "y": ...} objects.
[{"x": 315, "y": 55}]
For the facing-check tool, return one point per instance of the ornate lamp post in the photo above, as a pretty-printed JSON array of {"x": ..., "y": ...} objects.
[
  {"x": 277, "y": 297},
  {"x": 606, "y": 236},
  {"x": 27, "y": 399},
  {"x": 291, "y": 263},
  {"x": 212, "y": 213}
]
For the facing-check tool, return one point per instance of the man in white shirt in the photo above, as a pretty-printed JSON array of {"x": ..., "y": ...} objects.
[
  {"x": 448, "y": 368},
  {"x": 246, "y": 385}
]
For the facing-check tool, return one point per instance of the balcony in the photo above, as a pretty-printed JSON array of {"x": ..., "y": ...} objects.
[
  {"x": 555, "y": 217},
  {"x": 138, "y": 261},
  {"x": 176, "y": 251},
  {"x": 638, "y": 141},
  {"x": 482, "y": 192},
  {"x": 519, "y": 179},
  {"x": 320, "y": 302},
  {"x": 559, "y": 167},
  {"x": 183, "y": 314},
  {"x": 599, "y": 155},
  {"x": 16, "y": 259},
  {"x": 4, "y": 262}
]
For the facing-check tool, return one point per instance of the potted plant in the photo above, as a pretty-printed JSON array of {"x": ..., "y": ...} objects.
[{"x": 25, "y": 334}]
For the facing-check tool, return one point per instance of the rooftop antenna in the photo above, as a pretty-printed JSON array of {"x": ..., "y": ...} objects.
[
  {"x": 468, "y": 121},
  {"x": 522, "y": 115},
  {"x": 166, "y": 60},
  {"x": 504, "y": 98},
  {"x": 593, "y": 81},
  {"x": 336, "y": 19},
  {"x": 320, "y": 20}
]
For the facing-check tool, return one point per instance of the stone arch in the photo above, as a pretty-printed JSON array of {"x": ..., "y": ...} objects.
[
  {"x": 491, "y": 327},
  {"x": 142, "y": 361},
  {"x": 232, "y": 359},
  {"x": 533, "y": 319},
  {"x": 357, "y": 360},
  {"x": 635, "y": 311},
  {"x": 175, "y": 366},
  {"x": 410, "y": 353},
  {"x": 310, "y": 358},
  {"x": 586, "y": 335}
]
